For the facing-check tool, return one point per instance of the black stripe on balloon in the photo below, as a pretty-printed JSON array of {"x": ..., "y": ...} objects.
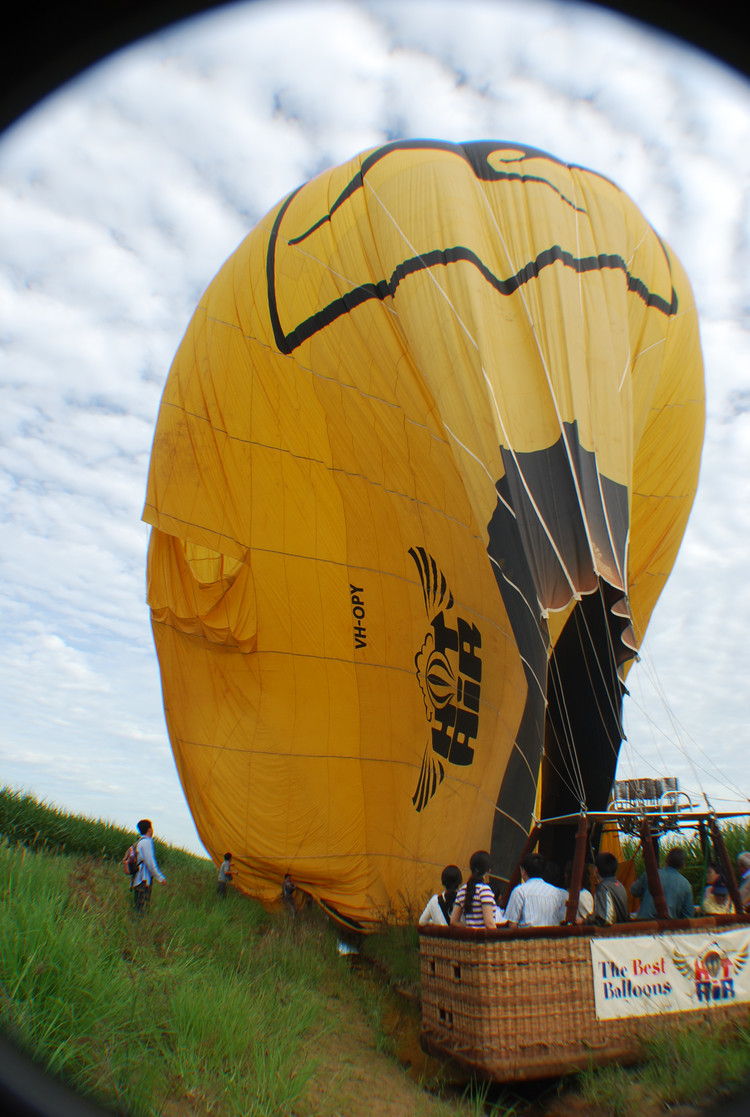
[
  {"x": 278, "y": 333},
  {"x": 475, "y": 154},
  {"x": 287, "y": 343}
]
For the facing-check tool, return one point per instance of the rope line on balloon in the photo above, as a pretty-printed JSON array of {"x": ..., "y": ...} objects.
[
  {"x": 649, "y": 668},
  {"x": 611, "y": 683},
  {"x": 576, "y": 784},
  {"x": 611, "y": 687},
  {"x": 577, "y": 216},
  {"x": 613, "y": 708},
  {"x": 717, "y": 774},
  {"x": 473, "y": 341},
  {"x": 513, "y": 265},
  {"x": 554, "y": 673},
  {"x": 628, "y": 366},
  {"x": 602, "y": 502},
  {"x": 567, "y": 779},
  {"x": 629, "y": 747},
  {"x": 558, "y": 687},
  {"x": 557, "y": 682},
  {"x": 655, "y": 743},
  {"x": 615, "y": 745},
  {"x": 580, "y": 614},
  {"x": 534, "y": 615}
]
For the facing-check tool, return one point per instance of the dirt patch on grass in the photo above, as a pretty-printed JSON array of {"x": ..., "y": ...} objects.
[
  {"x": 366, "y": 1070},
  {"x": 380, "y": 1070}
]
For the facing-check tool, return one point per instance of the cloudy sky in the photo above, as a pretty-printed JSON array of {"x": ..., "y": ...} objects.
[{"x": 122, "y": 195}]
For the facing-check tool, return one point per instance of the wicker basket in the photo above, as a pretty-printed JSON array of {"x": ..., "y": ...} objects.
[{"x": 514, "y": 1005}]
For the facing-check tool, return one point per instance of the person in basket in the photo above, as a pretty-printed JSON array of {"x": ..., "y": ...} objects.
[
  {"x": 440, "y": 906},
  {"x": 535, "y": 902},
  {"x": 475, "y": 902}
]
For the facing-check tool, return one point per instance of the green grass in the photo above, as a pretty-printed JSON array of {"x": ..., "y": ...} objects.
[
  {"x": 203, "y": 1006},
  {"x": 194, "y": 1001},
  {"x": 221, "y": 1009},
  {"x": 394, "y": 949},
  {"x": 682, "y": 1065}
]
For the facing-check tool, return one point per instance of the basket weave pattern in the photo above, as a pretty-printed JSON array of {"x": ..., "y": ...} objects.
[{"x": 521, "y": 1007}]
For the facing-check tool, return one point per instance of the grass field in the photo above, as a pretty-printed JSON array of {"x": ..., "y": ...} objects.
[
  {"x": 202, "y": 1007},
  {"x": 220, "y": 1008}
]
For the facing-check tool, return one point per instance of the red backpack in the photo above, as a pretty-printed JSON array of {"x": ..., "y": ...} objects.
[{"x": 131, "y": 861}]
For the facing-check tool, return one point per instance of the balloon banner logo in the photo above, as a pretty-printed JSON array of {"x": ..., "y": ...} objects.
[
  {"x": 449, "y": 673},
  {"x": 713, "y": 971}
]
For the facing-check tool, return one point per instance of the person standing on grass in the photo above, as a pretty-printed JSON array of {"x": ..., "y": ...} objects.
[
  {"x": 225, "y": 876},
  {"x": 147, "y": 868},
  {"x": 288, "y": 888}
]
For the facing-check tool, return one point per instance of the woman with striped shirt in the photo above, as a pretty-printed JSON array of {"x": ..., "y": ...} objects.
[{"x": 475, "y": 903}]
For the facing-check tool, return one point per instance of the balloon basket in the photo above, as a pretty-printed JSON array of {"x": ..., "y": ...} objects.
[{"x": 515, "y": 1005}]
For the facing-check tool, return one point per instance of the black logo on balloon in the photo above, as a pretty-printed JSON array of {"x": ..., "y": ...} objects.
[{"x": 449, "y": 672}]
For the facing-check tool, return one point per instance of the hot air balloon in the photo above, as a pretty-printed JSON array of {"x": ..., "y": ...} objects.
[{"x": 422, "y": 466}]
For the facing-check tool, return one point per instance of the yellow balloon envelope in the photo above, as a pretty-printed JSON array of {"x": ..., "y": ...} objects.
[{"x": 422, "y": 466}]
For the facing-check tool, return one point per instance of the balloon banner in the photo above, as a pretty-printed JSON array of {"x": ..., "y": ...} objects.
[{"x": 645, "y": 974}]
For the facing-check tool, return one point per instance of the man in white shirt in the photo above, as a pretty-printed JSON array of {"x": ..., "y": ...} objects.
[
  {"x": 147, "y": 867},
  {"x": 534, "y": 902}
]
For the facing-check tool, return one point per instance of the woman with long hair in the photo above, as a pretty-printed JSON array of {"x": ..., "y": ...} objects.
[
  {"x": 440, "y": 906},
  {"x": 475, "y": 902}
]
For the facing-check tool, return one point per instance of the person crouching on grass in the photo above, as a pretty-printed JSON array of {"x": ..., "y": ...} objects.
[{"x": 147, "y": 868}]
